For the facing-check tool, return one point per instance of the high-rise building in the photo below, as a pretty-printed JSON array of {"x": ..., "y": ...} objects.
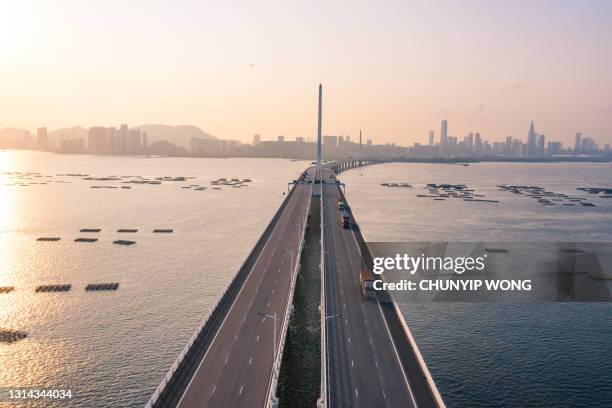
[
  {"x": 256, "y": 139},
  {"x": 541, "y": 141},
  {"x": 123, "y": 139},
  {"x": 280, "y": 139},
  {"x": 531, "y": 141},
  {"x": 478, "y": 148},
  {"x": 97, "y": 140},
  {"x": 42, "y": 139},
  {"x": 299, "y": 140},
  {"x": 578, "y": 143},
  {"x": 443, "y": 133},
  {"x": 112, "y": 140},
  {"x": 469, "y": 143},
  {"x": 508, "y": 147},
  {"x": 431, "y": 138},
  {"x": 331, "y": 141}
]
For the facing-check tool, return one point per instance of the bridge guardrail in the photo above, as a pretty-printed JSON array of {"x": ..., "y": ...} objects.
[
  {"x": 271, "y": 398},
  {"x": 156, "y": 398}
]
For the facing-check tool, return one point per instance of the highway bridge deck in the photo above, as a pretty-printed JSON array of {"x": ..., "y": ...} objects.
[
  {"x": 237, "y": 365},
  {"x": 370, "y": 360}
]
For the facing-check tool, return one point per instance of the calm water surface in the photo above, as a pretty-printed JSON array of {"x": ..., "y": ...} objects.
[
  {"x": 494, "y": 355},
  {"x": 113, "y": 348}
]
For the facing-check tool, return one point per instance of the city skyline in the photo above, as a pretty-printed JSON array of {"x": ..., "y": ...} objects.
[
  {"x": 236, "y": 71},
  {"x": 193, "y": 142}
]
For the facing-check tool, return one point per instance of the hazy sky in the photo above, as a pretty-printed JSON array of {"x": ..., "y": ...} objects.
[{"x": 393, "y": 68}]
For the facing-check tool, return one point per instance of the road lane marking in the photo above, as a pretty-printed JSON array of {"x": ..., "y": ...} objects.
[{"x": 399, "y": 361}]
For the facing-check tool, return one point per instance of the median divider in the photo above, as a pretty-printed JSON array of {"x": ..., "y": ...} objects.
[
  {"x": 271, "y": 399},
  {"x": 322, "y": 402}
]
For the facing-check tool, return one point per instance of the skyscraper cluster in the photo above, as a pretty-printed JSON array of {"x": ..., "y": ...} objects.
[
  {"x": 473, "y": 145},
  {"x": 110, "y": 140}
]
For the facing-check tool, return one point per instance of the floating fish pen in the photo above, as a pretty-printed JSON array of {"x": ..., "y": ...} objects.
[
  {"x": 595, "y": 190},
  {"x": 86, "y": 240},
  {"x": 143, "y": 181},
  {"x": 90, "y": 230},
  {"x": 104, "y": 187},
  {"x": 123, "y": 242},
  {"x": 11, "y": 336},
  {"x": 102, "y": 286},
  {"x": 110, "y": 178},
  {"x": 167, "y": 178},
  {"x": 6, "y": 289},
  {"x": 48, "y": 239},
  {"x": 126, "y": 230},
  {"x": 53, "y": 288},
  {"x": 163, "y": 231},
  {"x": 496, "y": 250},
  {"x": 587, "y": 204},
  {"x": 126, "y": 187}
]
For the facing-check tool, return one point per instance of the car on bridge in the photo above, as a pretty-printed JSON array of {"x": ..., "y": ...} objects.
[{"x": 345, "y": 219}]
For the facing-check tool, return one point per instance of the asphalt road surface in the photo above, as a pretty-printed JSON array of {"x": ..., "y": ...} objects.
[
  {"x": 369, "y": 361},
  {"x": 236, "y": 370}
]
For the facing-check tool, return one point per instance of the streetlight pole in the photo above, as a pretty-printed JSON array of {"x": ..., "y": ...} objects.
[{"x": 273, "y": 317}]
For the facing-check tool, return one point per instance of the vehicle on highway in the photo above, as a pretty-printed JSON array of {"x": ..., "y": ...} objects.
[
  {"x": 366, "y": 280},
  {"x": 345, "y": 219},
  {"x": 341, "y": 205}
]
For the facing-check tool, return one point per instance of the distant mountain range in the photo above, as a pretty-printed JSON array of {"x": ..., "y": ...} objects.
[{"x": 177, "y": 135}]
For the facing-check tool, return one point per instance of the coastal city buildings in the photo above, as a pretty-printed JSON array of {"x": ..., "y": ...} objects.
[{"x": 124, "y": 140}]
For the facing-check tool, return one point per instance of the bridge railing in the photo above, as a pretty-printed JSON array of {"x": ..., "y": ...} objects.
[
  {"x": 156, "y": 399},
  {"x": 271, "y": 398}
]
